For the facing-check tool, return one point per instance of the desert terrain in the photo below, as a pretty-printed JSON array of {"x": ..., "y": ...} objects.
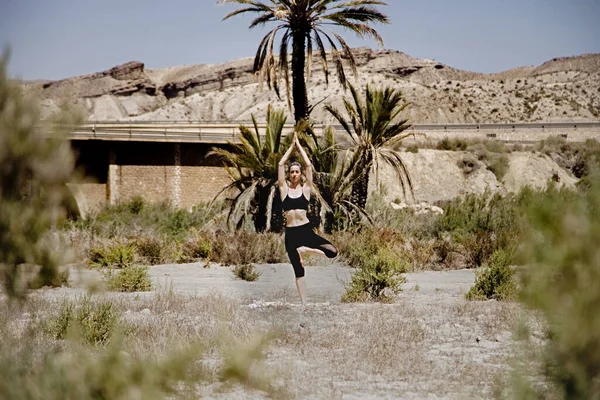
[
  {"x": 564, "y": 89},
  {"x": 430, "y": 343}
]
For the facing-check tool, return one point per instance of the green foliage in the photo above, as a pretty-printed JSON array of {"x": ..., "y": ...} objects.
[
  {"x": 112, "y": 254},
  {"x": 413, "y": 148},
  {"x": 452, "y": 144},
  {"x": 358, "y": 247},
  {"x": 494, "y": 280},
  {"x": 35, "y": 170},
  {"x": 468, "y": 164},
  {"x": 253, "y": 165},
  {"x": 378, "y": 264},
  {"x": 243, "y": 247},
  {"x": 301, "y": 22},
  {"x": 129, "y": 279},
  {"x": 83, "y": 350},
  {"x": 334, "y": 174},
  {"x": 377, "y": 278},
  {"x": 129, "y": 218},
  {"x": 492, "y": 154},
  {"x": 96, "y": 322},
  {"x": 80, "y": 372},
  {"x": 482, "y": 224},
  {"x": 246, "y": 272},
  {"x": 578, "y": 157},
  {"x": 561, "y": 282},
  {"x": 154, "y": 250},
  {"x": 374, "y": 125},
  {"x": 498, "y": 165},
  {"x": 198, "y": 246}
]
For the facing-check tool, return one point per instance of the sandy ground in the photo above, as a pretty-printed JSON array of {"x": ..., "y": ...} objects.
[
  {"x": 430, "y": 343},
  {"x": 325, "y": 284}
]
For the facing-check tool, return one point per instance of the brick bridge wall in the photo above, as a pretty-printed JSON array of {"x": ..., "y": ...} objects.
[
  {"x": 182, "y": 174},
  {"x": 118, "y": 171}
]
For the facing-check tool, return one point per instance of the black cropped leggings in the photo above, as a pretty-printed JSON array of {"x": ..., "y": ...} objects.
[{"x": 304, "y": 236}]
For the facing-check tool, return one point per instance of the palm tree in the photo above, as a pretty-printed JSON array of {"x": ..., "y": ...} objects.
[
  {"x": 375, "y": 130},
  {"x": 305, "y": 23},
  {"x": 252, "y": 165},
  {"x": 334, "y": 177}
]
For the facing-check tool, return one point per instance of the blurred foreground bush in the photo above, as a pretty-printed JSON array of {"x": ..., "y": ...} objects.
[
  {"x": 563, "y": 282},
  {"x": 35, "y": 170}
]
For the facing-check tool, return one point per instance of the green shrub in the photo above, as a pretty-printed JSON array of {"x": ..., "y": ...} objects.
[
  {"x": 494, "y": 280},
  {"x": 468, "y": 164},
  {"x": 128, "y": 219},
  {"x": 246, "y": 272},
  {"x": 136, "y": 205},
  {"x": 154, "y": 250},
  {"x": 94, "y": 321},
  {"x": 418, "y": 253},
  {"x": 561, "y": 281},
  {"x": 445, "y": 250},
  {"x": 44, "y": 277},
  {"x": 81, "y": 372},
  {"x": 378, "y": 278},
  {"x": 578, "y": 158},
  {"x": 452, "y": 144},
  {"x": 498, "y": 164},
  {"x": 199, "y": 246},
  {"x": 129, "y": 279},
  {"x": 357, "y": 248},
  {"x": 481, "y": 224},
  {"x": 413, "y": 148},
  {"x": 492, "y": 154},
  {"x": 242, "y": 247},
  {"x": 112, "y": 255},
  {"x": 150, "y": 249}
]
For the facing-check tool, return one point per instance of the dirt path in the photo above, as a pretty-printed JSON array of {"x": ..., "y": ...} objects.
[
  {"x": 277, "y": 283},
  {"x": 430, "y": 343}
]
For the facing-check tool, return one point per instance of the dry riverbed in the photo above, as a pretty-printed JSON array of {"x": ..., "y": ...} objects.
[{"x": 430, "y": 343}]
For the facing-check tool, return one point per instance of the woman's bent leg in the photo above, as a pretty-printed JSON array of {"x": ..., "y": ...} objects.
[{"x": 319, "y": 245}]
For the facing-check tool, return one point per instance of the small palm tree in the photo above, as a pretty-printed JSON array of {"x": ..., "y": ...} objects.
[
  {"x": 375, "y": 130},
  {"x": 252, "y": 165},
  {"x": 334, "y": 177},
  {"x": 297, "y": 20}
]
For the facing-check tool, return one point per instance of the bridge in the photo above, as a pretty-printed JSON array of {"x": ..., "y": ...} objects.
[
  {"x": 168, "y": 160},
  {"x": 222, "y": 133}
]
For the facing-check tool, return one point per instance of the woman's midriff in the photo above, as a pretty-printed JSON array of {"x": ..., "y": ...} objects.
[{"x": 296, "y": 218}]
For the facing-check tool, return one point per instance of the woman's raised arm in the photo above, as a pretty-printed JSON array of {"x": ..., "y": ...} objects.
[
  {"x": 308, "y": 171},
  {"x": 281, "y": 169}
]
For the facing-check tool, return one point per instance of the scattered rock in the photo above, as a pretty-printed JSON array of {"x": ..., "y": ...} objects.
[{"x": 421, "y": 208}]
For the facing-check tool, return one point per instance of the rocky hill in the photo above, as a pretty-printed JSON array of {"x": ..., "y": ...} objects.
[{"x": 562, "y": 89}]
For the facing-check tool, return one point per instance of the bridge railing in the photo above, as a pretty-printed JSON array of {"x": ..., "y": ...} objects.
[
  {"x": 185, "y": 131},
  {"x": 168, "y": 132}
]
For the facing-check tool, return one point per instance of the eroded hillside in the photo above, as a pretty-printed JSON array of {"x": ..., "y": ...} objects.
[{"x": 563, "y": 89}]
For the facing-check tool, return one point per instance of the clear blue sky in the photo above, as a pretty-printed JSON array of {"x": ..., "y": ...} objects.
[{"x": 54, "y": 39}]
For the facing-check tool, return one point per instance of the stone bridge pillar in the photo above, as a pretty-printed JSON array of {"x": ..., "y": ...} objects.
[
  {"x": 114, "y": 173},
  {"x": 176, "y": 194}
]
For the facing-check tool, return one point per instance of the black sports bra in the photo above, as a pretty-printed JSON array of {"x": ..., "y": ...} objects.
[{"x": 295, "y": 203}]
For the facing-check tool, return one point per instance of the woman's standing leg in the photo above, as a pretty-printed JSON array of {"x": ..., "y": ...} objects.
[{"x": 291, "y": 246}]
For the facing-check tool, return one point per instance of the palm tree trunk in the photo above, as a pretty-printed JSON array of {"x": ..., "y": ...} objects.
[
  {"x": 260, "y": 217},
  {"x": 360, "y": 188},
  {"x": 298, "y": 82}
]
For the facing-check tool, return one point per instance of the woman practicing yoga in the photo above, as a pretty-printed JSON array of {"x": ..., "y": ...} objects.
[{"x": 300, "y": 239}]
